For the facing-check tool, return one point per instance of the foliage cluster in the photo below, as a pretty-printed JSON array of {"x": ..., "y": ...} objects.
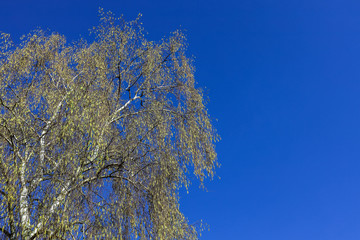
[{"x": 97, "y": 138}]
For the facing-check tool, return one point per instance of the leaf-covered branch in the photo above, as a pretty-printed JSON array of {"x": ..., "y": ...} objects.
[{"x": 97, "y": 138}]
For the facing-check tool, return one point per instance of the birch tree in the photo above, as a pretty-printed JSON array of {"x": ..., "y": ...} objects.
[{"x": 96, "y": 139}]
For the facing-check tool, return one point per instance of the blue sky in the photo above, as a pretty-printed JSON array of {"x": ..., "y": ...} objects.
[{"x": 283, "y": 80}]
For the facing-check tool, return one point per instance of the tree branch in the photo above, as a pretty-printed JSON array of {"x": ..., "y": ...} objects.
[
  {"x": 7, "y": 233},
  {"x": 24, "y": 205}
]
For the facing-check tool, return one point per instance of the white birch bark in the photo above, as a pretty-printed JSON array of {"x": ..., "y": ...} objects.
[
  {"x": 66, "y": 189},
  {"x": 24, "y": 204}
]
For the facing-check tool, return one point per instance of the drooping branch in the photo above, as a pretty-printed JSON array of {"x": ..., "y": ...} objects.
[{"x": 69, "y": 143}]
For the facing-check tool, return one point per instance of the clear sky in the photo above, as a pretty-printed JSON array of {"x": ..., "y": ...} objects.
[{"x": 283, "y": 79}]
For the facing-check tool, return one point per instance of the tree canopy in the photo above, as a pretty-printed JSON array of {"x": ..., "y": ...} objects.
[{"x": 96, "y": 139}]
